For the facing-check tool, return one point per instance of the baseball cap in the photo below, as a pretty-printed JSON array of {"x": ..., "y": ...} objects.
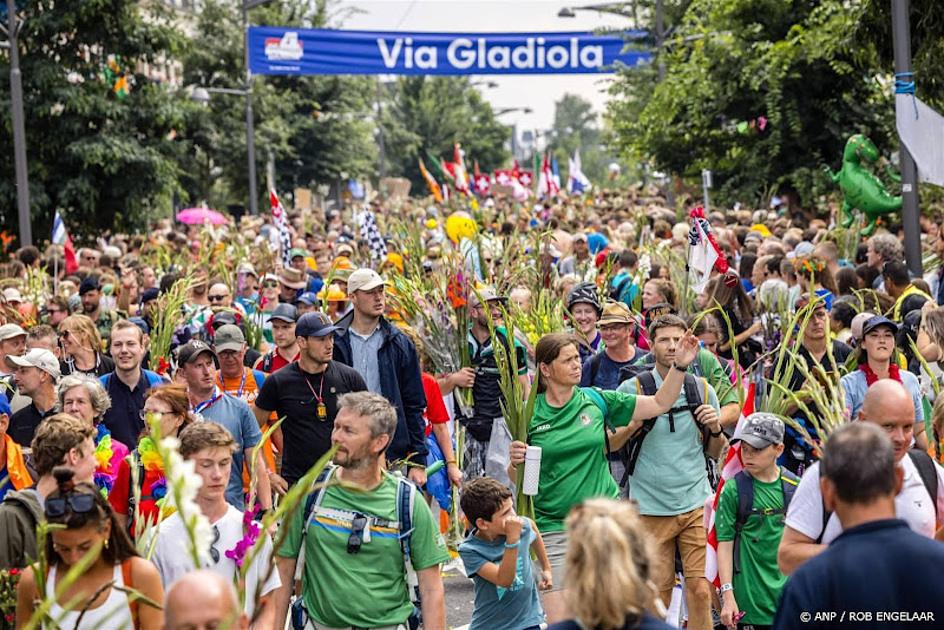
[
  {"x": 150, "y": 294},
  {"x": 760, "y": 430},
  {"x": 10, "y": 331},
  {"x": 580, "y": 236},
  {"x": 89, "y": 284},
  {"x": 11, "y": 294},
  {"x": 247, "y": 269},
  {"x": 228, "y": 337},
  {"x": 285, "y": 312},
  {"x": 363, "y": 279},
  {"x": 308, "y": 298},
  {"x": 615, "y": 313},
  {"x": 37, "y": 358},
  {"x": 658, "y": 310},
  {"x": 485, "y": 294},
  {"x": 297, "y": 251},
  {"x": 877, "y": 321},
  {"x": 344, "y": 249},
  {"x": 189, "y": 352},
  {"x": 315, "y": 324}
]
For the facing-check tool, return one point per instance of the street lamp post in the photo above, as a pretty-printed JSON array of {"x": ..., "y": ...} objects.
[{"x": 19, "y": 129}]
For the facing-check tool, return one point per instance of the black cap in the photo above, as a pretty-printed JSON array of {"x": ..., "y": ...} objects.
[
  {"x": 658, "y": 310},
  {"x": 877, "y": 321},
  {"x": 89, "y": 284},
  {"x": 223, "y": 318},
  {"x": 189, "y": 352},
  {"x": 150, "y": 294},
  {"x": 285, "y": 312},
  {"x": 315, "y": 324}
]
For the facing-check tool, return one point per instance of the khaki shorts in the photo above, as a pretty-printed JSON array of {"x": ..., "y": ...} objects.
[
  {"x": 665, "y": 532},
  {"x": 555, "y": 543}
]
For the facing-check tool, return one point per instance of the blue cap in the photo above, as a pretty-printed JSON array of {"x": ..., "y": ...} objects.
[
  {"x": 308, "y": 298},
  {"x": 4, "y": 406},
  {"x": 315, "y": 324},
  {"x": 875, "y": 322},
  {"x": 150, "y": 294}
]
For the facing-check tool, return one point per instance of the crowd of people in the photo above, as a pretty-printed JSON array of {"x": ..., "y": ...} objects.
[{"x": 811, "y": 366}]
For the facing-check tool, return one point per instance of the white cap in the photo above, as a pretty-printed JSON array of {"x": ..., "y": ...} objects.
[
  {"x": 11, "y": 294},
  {"x": 363, "y": 279},
  {"x": 10, "y": 331},
  {"x": 37, "y": 358}
]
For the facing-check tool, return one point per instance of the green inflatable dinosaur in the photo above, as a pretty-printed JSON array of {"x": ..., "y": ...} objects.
[{"x": 861, "y": 189}]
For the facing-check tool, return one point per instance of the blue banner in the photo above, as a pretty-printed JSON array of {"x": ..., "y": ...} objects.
[{"x": 280, "y": 50}]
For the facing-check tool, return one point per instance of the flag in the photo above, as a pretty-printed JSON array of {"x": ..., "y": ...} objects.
[
  {"x": 431, "y": 183},
  {"x": 732, "y": 466},
  {"x": 577, "y": 182},
  {"x": 704, "y": 254},
  {"x": 61, "y": 237},
  {"x": 371, "y": 233},
  {"x": 547, "y": 187},
  {"x": 481, "y": 183},
  {"x": 280, "y": 220},
  {"x": 460, "y": 172},
  {"x": 555, "y": 172}
]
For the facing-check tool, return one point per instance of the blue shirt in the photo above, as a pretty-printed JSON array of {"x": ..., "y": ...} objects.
[
  {"x": 496, "y": 608},
  {"x": 239, "y": 420},
  {"x": 364, "y": 352},
  {"x": 607, "y": 373},
  {"x": 855, "y": 386},
  {"x": 903, "y": 573}
]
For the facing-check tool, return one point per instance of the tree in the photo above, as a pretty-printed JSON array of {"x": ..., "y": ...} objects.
[
  {"x": 430, "y": 114},
  {"x": 763, "y": 92},
  {"x": 575, "y": 128},
  {"x": 315, "y": 127},
  {"x": 101, "y": 159}
]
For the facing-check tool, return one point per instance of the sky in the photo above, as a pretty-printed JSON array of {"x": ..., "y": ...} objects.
[{"x": 483, "y": 16}]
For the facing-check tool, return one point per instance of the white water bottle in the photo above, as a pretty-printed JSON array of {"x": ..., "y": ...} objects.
[{"x": 532, "y": 471}]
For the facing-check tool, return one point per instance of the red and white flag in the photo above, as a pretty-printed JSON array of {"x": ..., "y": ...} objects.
[
  {"x": 548, "y": 186},
  {"x": 481, "y": 182},
  {"x": 732, "y": 466},
  {"x": 281, "y": 223}
]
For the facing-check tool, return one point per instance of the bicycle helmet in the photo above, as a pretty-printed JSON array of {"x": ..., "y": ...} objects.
[{"x": 585, "y": 293}]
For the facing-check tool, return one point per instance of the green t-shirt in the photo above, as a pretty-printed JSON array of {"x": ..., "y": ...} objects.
[
  {"x": 670, "y": 476},
  {"x": 380, "y": 597},
  {"x": 713, "y": 372},
  {"x": 757, "y": 587},
  {"x": 573, "y": 464}
]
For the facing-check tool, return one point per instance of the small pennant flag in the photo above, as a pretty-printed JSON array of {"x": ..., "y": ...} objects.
[{"x": 371, "y": 233}]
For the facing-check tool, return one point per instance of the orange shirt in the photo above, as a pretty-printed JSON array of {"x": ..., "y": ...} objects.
[{"x": 246, "y": 389}]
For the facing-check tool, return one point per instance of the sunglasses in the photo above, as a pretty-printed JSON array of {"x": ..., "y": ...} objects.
[
  {"x": 356, "y": 539},
  {"x": 214, "y": 552},
  {"x": 270, "y": 284},
  {"x": 216, "y": 298},
  {"x": 77, "y": 502}
]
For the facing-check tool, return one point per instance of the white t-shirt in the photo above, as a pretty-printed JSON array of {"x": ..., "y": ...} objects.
[
  {"x": 912, "y": 504},
  {"x": 173, "y": 561}
]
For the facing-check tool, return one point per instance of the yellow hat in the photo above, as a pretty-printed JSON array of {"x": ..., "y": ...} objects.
[
  {"x": 761, "y": 229},
  {"x": 396, "y": 260},
  {"x": 332, "y": 293}
]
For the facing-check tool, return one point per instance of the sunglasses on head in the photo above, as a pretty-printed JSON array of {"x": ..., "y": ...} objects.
[
  {"x": 356, "y": 539},
  {"x": 76, "y": 502},
  {"x": 270, "y": 284}
]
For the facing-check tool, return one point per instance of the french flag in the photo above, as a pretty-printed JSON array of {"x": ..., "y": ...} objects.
[{"x": 61, "y": 237}]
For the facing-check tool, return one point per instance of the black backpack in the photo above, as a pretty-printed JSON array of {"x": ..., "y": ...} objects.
[
  {"x": 646, "y": 385},
  {"x": 746, "y": 509},
  {"x": 927, "y": 469}
]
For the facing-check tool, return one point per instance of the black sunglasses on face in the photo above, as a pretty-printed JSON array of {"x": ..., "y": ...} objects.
[
  {"x": 356, "y": 539},
  {"x": 77, "y": 502}
]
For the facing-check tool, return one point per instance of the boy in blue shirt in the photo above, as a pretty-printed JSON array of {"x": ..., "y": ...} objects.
[{"x": 495, "y": 555}]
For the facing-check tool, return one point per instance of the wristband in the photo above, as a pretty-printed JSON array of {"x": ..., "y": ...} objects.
[
  {"x": 727, "y": 586},
  {"x": 676, "y": 366},
  {"x": 451, "y": 461},
  {"x": 714, "y": 435},
  {"x": 513, "y": 545}
]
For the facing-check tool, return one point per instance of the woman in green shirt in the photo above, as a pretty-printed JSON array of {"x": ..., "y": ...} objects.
[{"x": 568, "y": 425}]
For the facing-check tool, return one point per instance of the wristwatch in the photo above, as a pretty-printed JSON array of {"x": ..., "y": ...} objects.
[
  {"x": 727, "y": 586},
  {"x": 718, "y": 434},
  {"x": 676, "y": 366}
]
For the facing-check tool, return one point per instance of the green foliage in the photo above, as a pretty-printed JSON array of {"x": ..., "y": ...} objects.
[
  {"x": 576, "y": 127},
  {"x": 729, "y": 62},
  {"x": 430, "y": 114},
  {"x": 102, "y": 160}
]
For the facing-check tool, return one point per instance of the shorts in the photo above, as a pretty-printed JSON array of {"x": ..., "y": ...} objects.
[
  {"x": 555, "y": 543},
  {"x": 687, "y": 532}
]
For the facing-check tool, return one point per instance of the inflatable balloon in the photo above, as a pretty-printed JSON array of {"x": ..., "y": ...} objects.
[
  {"x": 861, "y": 189},
  {"x": 459, "y": 225}
]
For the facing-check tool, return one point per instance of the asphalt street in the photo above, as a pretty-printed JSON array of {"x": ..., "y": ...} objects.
[{"x": 459, "y": 600}]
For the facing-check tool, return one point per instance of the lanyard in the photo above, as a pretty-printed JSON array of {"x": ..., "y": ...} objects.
[
  {"x": 210, "y": 401},
  {"x": 242, "y": 383},
  {"x": 322, "y": 410}
]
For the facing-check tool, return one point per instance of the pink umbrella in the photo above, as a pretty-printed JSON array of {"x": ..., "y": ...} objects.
[{"x": 195, "y": 216}]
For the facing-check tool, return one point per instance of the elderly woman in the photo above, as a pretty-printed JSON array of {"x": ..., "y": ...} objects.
[
  {"x": 82, "y": 348},
  {"x": 84, "y": 397}
]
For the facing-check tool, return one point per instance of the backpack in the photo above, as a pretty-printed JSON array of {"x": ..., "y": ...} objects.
[
  {"x": 927, "y": 469},
  {"x": 646, "y": 385},
  {"x": 406, "y": 498},
  {"x": 746, "y": 509},
  {"x": 594, "y": 394}
]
